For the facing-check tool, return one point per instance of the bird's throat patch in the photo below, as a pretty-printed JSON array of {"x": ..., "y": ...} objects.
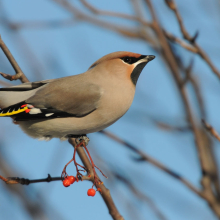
[{"x": 136, "y": 72}]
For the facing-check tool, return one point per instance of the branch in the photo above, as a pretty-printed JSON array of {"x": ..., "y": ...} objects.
[
  {"x": 24, "y": 181},
  {"x": 105, "y": 193},
  {"x": 207, "y": 161},
  {"x": 181, "y": 42},
  {"x": 192, "y": 40},
  {"x": 114, "y": 14},
  {"x": 211, "y": 130},
  {"x": 145, "y": 157},
  {"x": 41, "y": 24},
  {"x": 125, "y": 31},
  {"x": 19, "y": 74}
]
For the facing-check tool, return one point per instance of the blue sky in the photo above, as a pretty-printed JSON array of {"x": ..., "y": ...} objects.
[{"x": 46, "y": 53}]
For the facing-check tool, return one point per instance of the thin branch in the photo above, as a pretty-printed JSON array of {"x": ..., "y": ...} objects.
[
  {"x": 192, "y": 40},
  {"x": 114, "y": 14},
  {"x": 25, "y": 181},
  {"x": 181, "y": 42},
  {"x": 41, "y": 24},
  {"x": 205, "y": 160},
  {"x": 19, "y": 74},
  {"x": 140, "y": 195},
  {"x": 211, "y": 130},
  {"x": 145, "y": 157},
  {"x": 125, "y": 31}
]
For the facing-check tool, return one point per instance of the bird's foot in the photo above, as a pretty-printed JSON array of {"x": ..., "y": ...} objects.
[{"x": 82, "y": 138}]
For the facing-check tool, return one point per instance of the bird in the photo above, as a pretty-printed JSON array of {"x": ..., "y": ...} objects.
[{"x": 77, "y": 104}]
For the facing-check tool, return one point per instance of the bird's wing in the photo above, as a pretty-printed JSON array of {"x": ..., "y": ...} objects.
[
  {"x": 27, "y": 86},
  {"x": 64, "y": 97},
  {"x": 12, "y": 95}
]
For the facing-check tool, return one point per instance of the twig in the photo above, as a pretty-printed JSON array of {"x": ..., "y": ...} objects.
[
  {"x": 207, "y": 166},
  {"x": 181, "y": 42},
  {"x": 212, "y": 131},
  {"x": 41, "y": 24},
  {"x": 35, "y": 209},
  {"x": 114, "y": 14},
  {"x": 139, "y": 195},
  {"x": 19, "y": 74},
  {"x": 192, "y": 40},
  {"x": 128, "y": 32},
  {"x": 24, "y": 181},
  {"x": 145, "y": 157}
]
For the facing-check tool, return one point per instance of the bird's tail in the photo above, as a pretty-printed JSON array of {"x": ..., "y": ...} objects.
[{"x": 14, "y": 110}]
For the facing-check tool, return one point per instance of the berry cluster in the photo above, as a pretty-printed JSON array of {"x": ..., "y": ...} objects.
[
  {"x": 68, "y": 180},
  {"x": 71, "y": 179}
]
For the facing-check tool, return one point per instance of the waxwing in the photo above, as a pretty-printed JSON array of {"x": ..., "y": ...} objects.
[{"x": 79, "y": 104}]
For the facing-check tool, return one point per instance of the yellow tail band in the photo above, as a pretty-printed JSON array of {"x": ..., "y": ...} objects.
[{"x": 14, "y": 112}]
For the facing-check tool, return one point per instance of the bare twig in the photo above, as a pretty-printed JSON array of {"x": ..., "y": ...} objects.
[
  {"x": 140, "y": 195},
  {"x": 192, "y": 40},
  {"x": 212, "y": 131},
  {"x": 41, "y": 24},
  {"x": 19, "y": 74},
  {"x": 205, "y": 159},
  {"x": 125, "y": 31},
  {"x": 181, "y": 42},
  {"x": 24, "y": 181},
  {"x": 114, "y": 14},
  {"x": 145, "y": 157}
]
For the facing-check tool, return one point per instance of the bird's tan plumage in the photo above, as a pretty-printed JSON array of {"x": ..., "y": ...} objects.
[{"x": 82, "y": 103}]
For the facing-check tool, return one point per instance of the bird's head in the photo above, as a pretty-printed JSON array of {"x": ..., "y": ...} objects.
[{"x": 123, "y": 64}]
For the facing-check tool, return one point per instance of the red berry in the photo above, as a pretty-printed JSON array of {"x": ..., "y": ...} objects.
[
  {"x": 66, "y": 182},
  {"x": 72, "y": 179},
  {"x": 91, "y": 192}
]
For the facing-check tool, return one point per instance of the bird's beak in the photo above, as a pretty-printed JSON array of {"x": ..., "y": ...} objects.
[
  {"x": 148, "y": 58},
  {"x": 145, "y": 59}
]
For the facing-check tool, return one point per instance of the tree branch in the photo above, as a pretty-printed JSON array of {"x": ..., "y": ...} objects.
[
  {"x": 192, "y": 40},
  {"x": 19, "y": 73},
  {"x": 105, "y": 193},
  {"x": 211, "y": 130}
]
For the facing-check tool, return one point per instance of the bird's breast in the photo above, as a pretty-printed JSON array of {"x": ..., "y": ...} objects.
[{"x": 115, "y": 101}]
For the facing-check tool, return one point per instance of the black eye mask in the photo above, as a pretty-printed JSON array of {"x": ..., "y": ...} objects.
[{"x": 131, "y": 60}]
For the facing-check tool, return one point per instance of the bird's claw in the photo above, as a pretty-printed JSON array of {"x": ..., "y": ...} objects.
[{"x": 82, "y": 138}]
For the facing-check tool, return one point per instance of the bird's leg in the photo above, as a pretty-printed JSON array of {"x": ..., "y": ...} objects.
[{"x": 82, "y": 138}]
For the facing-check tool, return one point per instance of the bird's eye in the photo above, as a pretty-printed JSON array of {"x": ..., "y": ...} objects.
[{"x": 128, "y": 60}]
